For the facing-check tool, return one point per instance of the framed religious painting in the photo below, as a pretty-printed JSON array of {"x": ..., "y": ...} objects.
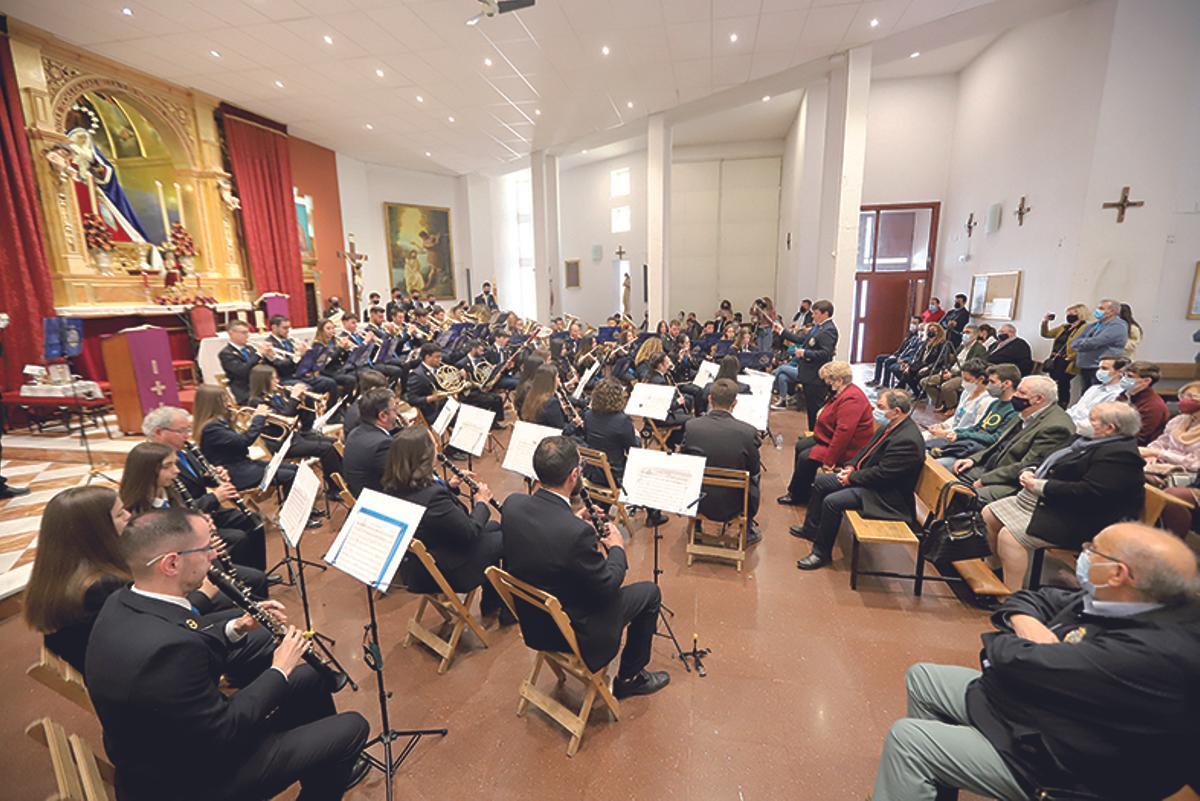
[
  {"x": 304, "y": 225},
  {"x": 1194, "y": 298},
  {"x": 420, "y": 257},
  {"x": 571, "y": 275}
]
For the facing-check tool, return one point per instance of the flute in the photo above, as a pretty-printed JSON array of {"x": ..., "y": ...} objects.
[
  {"x": 334, "y": 679},
  {"x": 210, "y": 473},
  {"x": 471, "y": 483}
]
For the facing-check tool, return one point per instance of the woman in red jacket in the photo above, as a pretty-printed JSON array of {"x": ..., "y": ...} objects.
[{"x": 845, "y": 425}]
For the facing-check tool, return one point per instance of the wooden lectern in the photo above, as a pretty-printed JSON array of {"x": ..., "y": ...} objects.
[{"x": 138, "y": 362}]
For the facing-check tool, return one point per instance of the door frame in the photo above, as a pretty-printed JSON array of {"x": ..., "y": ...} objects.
[{"x": 915, "y": 304}]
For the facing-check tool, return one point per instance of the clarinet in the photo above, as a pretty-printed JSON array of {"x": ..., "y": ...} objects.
[
  {"x": 598, "y": 518},
  {"x": 471, "y": 483},
  {"x": 570, "y": 413},
  {"x": 210, "y": 473},
  {"x": 334, "y": 679},
  {"x": 227, "y": 565}
]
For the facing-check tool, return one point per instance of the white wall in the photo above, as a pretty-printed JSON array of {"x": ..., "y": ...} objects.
[
  {"x": 910, "y": 132},
  {"x": 802, "y": 174}
]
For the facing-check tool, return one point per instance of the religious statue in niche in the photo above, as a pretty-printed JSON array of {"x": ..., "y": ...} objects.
[
  {"x": 419, "y": 252},
  {"x": 626, "y": 291}
]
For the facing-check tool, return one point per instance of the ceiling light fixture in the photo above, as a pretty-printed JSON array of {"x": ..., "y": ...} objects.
[
  {"x": 914, "y": 54},
  {"x": 584, "y": 151},
  {"x": 127, "y": 11},
  {"x": 604, "y": 51},
  {"x": 732, "y": 38},
  {"x": 450, "y": 119},
  {"x": 369, "y": 127},
  {"x": 420, "y": 99},
  {"x": 537, "y": 112},
  {"x": 629, "y": 104},
  {"x": 875, "y": 23},
  {"x": 279, "y": 84},
  {"x": 214, "y": 54},
  {"x": 428, "y": 154},
  {"x": 487, "y": 62},
  {"x": 378, "y": 73},
  {"x": 766, "y": 98},
  {"x": 328, "y": 39}
]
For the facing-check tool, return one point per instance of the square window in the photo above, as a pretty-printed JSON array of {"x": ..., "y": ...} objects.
[
  {"x": 620, "y": 219},
  {"x": 619, "y": 182}
]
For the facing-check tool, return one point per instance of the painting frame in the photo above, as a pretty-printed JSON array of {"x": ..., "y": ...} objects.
[
  {"x": 1194, "y": 298},
  {"x": 417, "y": 224},
  {"x": 571, "y": 274},
  {"x": 982, "y": 295}
]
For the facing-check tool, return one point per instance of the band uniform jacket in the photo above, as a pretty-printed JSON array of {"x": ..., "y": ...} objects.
[
  {"x": 612, "y": 433},
  {"x": 1025, "y": 444},
  {"x": 889, "y": 466},
  {"x": 815, "y": 349},
  {"x": 547, "y": 546},
  {"x": 420, "y": 386},
  {"x": 285, "y": 367},
  {"x": 237, "y": 364},
  {"x": 487, "y": 299},
  {"x": 446, "y": 528},
  {"x": 726, "y": 442},
  {"x": 365, "y": 457},
  {"x": 152, "y": 670},
  {"x": 230, "y": 449}
]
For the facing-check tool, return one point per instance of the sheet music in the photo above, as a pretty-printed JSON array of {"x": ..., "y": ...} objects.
[
  {"x": 521, "y": 445},
  {"x": 754, "y": 409},
  {"x": 760, "y": 383},
  {"x": 320, "y": 423},
  {"x": 374, "y": 538},
  {"x": 650, "y": 400},
  {"x": 669, "y": 482},
  {"x": 471, "y": 429},
  {"x": 706, "y": 373},
  {"x": 442, "y": 421},
  {"x": 276, "y": 460},
  {"x": 585, "y": 378},
  {"x": 294, "y": 514}
]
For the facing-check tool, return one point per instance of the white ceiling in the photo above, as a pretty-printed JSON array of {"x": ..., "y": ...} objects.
[
  {"x": 547, "y": 59},
  {"x": 757, "y": 121}
]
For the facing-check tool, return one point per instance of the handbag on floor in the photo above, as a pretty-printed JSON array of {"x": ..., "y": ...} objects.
[{"x": 959, "y": 532}]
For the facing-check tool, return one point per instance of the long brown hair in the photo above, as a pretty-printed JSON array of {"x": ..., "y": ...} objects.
[
  {"x": 650, "y": 347},
  {"x": 209, "y": 406},
  {"x": 540, "y": 389},
  {"x": 139, "y": 480},
  {"x": 261, "y": 378},
  {"x": 729, "y": 368},
  {"x": 77, "y": 544},
  {"x": 410, "y": 462},
  {"x": 529, "y": 369},
  {"x": 320, "y": 334}
]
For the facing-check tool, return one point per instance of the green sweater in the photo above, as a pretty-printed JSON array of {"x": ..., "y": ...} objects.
[{"x": 988, "y": 429}]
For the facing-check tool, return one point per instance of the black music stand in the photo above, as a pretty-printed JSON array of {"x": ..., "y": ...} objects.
[{"x": 696, "y": 654}]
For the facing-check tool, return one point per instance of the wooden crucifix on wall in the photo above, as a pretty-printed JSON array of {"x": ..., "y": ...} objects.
[
  {"x": 970, "y": 225},
  {"x": 1123, "y": 204},
  {"x": 354, "y": 263},
  {"x": 1022, "y": 210}
]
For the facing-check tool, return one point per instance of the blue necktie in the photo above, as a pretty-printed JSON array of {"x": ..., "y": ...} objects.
[
  {"x": 287, "y": 345},
  {"x": 195, "y": 611},
  {"x": 185, "y": 464},
  {"x": 246, "y": 354}
]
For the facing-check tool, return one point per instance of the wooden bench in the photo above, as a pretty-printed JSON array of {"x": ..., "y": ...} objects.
[
  {"x": 981, "y": 579},
  {"x": 54, "y": 672},
  {"x": 79, "y": 775}
]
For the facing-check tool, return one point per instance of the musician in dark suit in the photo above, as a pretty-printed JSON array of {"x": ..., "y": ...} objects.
[
  {"x": 367, "y": 380},
  {"x": 476, "y": 363},
  {"x": 421, "y": 386},
  {"x": 607, "y": 428},
  {"x": 367, "y": 446},
  {"x": 152, "y": 668},
  {"x": 549, "y": 547},
  {"x": 879, "y": 481},
  {"x": 726, "y": 442},
  {"x": 486, "y": 298},
  {"x": 226, "y": 447},
  {"x": 237, "y": 358},
  {"x": 659, "y": 374},
  {"x": 462, "y": 542},
  {"x": 279, "y": 342},
  {"x": 816, "y": 347},
  {"x": 266, "y": 390}
]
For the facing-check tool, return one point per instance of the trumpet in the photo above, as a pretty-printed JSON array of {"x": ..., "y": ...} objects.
[
  {"x": 471, "y": 483},
  {"x": 266, "y": 345}
]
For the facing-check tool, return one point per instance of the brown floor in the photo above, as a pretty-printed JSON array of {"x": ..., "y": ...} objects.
[{"x": 805, "y": 677}]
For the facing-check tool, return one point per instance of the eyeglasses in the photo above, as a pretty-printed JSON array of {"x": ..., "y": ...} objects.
[
  {"x": 1090, "y": 547},
  {"x": 209, "y": 547}
]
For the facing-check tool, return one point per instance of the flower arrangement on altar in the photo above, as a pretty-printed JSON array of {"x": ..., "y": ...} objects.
[
  {"x": 96, "y": 233},
  {"x": 176, "y": 296},
  {"x": 181, "y": 241}
]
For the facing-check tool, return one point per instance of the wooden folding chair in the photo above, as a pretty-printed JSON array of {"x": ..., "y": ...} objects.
[
  {"x": 561, "y": 663},
  {"x": 728, "y": 543},
  {"x": 54, "y": 672},
  {"x": 79, "y": 774},
  {"x": 608, "y": 492},
  {"x": 447, "y": 604},
  {"x": 657, "y": 435}
]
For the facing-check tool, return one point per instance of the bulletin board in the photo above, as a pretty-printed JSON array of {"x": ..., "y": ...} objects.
[{"x": 994, "y": 296}]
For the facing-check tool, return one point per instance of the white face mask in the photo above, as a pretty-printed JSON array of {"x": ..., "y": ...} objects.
[{"x": 969, "y": 387}]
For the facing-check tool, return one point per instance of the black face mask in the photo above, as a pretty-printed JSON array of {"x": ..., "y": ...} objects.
[
  {"x": 1018, "y": 403},
  {"x": 958, "y": 304},
  {"x": 1002, "y": 337},
  {"x": 1072, "y": 318}
]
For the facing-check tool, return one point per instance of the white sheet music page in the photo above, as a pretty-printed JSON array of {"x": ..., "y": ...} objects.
[
  {"x": 521, "y": 445},
  {"x": 650, "y": 400},
  {"x": 669, "y": 482},
  {"x": 754, "y": 409},
  {"x": 471, "y": 429},
  {"x": 760, "y": 383},
  {"x": 442, "y": 421},
  {"x": 585, "y": 378},
  {"x": 320, "y": 423},
  {"x": 294, "y": 514},
  {"x": 374, "y": 538},
  {"x": 276, "y": 460},
  {"x": 706, "y": 373}
]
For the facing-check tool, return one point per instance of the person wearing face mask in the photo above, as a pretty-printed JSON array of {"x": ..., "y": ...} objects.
[
  {"x": 1011, "y": 349},
  {"x": 1060, "y": 364},
  {"x": 885, "y": 363},
  {"x": 943, "y": 386},
  {"x": 1138, "y": 384},
  {"x": 1078, "y": 490},
  {"x": 934, "y": 312},
  {"x": 1107, "y": 387},
  {"x": 1070, "y": 680},
  {"x": 956, "y": 320},
  {"x": 999, "y": 383},
  {"x": 879, "y": 481},
  {"x": 1179, "y": 447},
  {"x": 971, "y": 406},
  {"x": 1106, "y": 335},
  {"x": 1040, "y": 428}
]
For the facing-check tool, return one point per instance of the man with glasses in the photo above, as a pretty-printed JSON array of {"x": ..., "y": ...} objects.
[
  {"x": 1084, "y": 693},
  {"x": 152, "y": 668}
]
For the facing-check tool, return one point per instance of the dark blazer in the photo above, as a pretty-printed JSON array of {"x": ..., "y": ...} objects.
[
  {"x": 227, "y": 448},
  {"x": 552, "y": 549},
  {"x": 446, "y": 529},
  {"x": 487, "y": 299},
  {"x": 727, "y": 442},
  {"x": 889, "y": 466},
  {"x": 1112, "y": 714},
  {"x": 1088, "y": 490},
  {"x": 1013, "y": 351},
  {"x": 193, "y": 480},
  {"x": 237, "y": 365},
  {"x": 611, "y": 432},
  {"x": 350, "y": 419},
  {"x": 152, "y": 669},
  {"x": 817, "y": 347},
  {"x": 845, "y": 425},
  {"x": 1023, "y": 446},
  {"x": 365, "y": 457},
  {"x": 551, "y": 414},
  {"x": 419, "y": 386},
  {"x": 285, "y": 367}
]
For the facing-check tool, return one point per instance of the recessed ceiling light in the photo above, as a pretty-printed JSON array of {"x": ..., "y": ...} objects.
[
  {"x": 328, "y": 39},
  {"x": 127, "y": 11},
  {"x": 537, "y": 112},
  {"x": 378, "y": 73},
  {"x": 420, "y": 99},
  {"x": 214, "y": 53},
  {"x": 766, "y": 98},
  {"x": 584, "y": 151},
  {"x": 487, "y": 62},
  {"x": 604, "y": 51},
  {"x": 732, "y": 37},
  {"x": 279, "y": 84},
  {"x": 428, "y": 154},
  {"x": 914, "y": 54},
  {"x": 369, "y": 127},
  {"x": 450, "y": 119},
  {"x": 629, "y": 104},
  {"x": 875, "y": 23}
]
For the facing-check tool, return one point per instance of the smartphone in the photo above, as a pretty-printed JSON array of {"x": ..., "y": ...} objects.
[{"x": 1050, "y": 316}]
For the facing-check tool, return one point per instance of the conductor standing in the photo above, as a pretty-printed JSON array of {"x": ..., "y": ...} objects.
[{"x": 816, "y": 347}]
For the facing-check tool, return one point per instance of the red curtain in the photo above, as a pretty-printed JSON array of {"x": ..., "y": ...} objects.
[
  {"x": 25, "y": 292},
  {"x": 262, "y": 170}
]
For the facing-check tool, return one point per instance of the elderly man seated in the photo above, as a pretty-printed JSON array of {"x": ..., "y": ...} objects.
[
  {"x": 1108, "y": 387},
  {"x": 1083, "y": 694}
]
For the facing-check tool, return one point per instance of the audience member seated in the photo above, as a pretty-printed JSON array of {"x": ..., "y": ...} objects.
[
  {"x": 1107, "y": 388},
  {"x": 936, "y": 355},
  {"x": 1040, "y": 428},
  {"x": 908, "y": 349},
  {"x": 1011, "y": 349},
  {"x": 552, "y": 549},
  {"x": 367, "y": 380},
  {"x": 607, "y": 428},
  {"x": 366, "y": 452},
  {"x": 1084, "y": 694},
  {"x": 972, "y": 403},
  {"x": 1105, "y": 336},
  {"x": 1138, "y": 383},
  {"x": 222, "y": 445},
  {"x": 1077, "y": 491},
  {"x": 943, "y": 387},
  {"x": 1175, "y": 456},
  {"x": 879, "y": 481},
  {"x": 237, "y": 358},
  {"x": 845, "y": 425},
  {"x": 462, "y": 543},
  {"x": 730, "y": 443},
  {"x": 949, "y": 445},
  {"x": 265, "y": 390},
  {"x": 1060, "y": 364}
]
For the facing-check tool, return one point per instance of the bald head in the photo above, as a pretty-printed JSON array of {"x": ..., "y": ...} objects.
[{"x": 1159, "y": 567}]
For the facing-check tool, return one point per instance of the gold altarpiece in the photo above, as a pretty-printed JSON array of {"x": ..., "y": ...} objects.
[{"x": 164, "y": 134}]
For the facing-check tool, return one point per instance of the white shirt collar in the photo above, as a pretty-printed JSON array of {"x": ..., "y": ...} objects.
[
  {"x": 1117, "y": 608},
  {"x": 566, "y": 499},
  {"x": 170, "y": 599}
]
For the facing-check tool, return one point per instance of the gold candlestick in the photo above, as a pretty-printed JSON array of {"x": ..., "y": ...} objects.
[
  {"x": 179, "y": 200},
  {"x": 162, "y": 207}
]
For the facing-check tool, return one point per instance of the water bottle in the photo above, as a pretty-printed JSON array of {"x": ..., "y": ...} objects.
[{"x": 779, "y": 442}]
